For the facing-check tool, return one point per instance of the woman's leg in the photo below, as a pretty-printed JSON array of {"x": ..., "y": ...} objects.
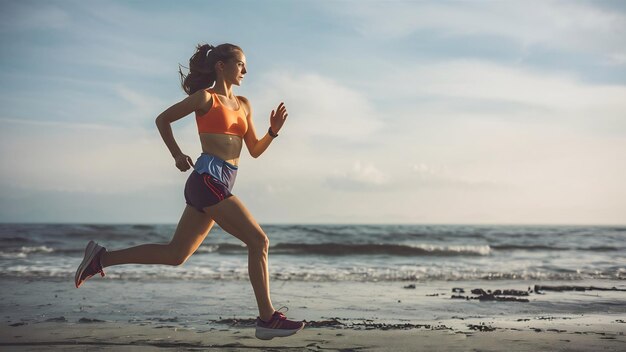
[
  {"x": 233, "y": 217},
  {"x": 190, "y": 232}
]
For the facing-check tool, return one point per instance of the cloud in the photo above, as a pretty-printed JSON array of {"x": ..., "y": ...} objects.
[
  {"x": 436, "y": 176},
  {"x": 479, "y": 90},
  {"x": 618, "y": 59},
  {"x": 563, "y": 24},
  {"x": 361, "y": 177},
  {"x": 91, "y": 37},
  {"x": 484, "y": 80},
  {"x": 60, "y": 124},
  {"x": 25, "y": 16},
  {"x": 365, "y": 177},
  {"x": 67, "y": 157},
  {"x": 318, "y": 106},
  {"x": 142, "y": 106}
]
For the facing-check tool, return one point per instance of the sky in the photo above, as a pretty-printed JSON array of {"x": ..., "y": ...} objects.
[{"x": 422, "y": 112}]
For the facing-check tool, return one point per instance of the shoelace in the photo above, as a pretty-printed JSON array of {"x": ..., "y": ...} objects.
[
  {"x": 96, "y": 270},
  {"x": 281, "y": 315},
  {"x": 97, "y": 267}
]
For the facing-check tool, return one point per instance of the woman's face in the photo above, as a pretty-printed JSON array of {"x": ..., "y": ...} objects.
[{"x": 234, "y": 69}]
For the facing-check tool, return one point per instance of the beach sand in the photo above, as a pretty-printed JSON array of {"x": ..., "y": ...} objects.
[
  {"x": 115, "y": 315},
  {"x": 113, "y": 336}
]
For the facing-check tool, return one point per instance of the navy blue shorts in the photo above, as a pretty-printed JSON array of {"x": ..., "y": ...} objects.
[{"x": 210, "y": 182}]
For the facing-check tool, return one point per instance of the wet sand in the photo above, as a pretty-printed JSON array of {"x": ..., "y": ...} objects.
[
  {"x": 116, "y": 315},
  {"x": 74, "y": 336}
]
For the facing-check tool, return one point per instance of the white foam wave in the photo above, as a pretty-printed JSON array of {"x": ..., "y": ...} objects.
[
  {"x": 22, "y": 252},
  {"x": 482, "y": 250}
]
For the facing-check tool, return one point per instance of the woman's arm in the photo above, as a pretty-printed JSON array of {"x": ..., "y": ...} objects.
[
  {"x": 256, "y": 146},
  {"x": 177, "y": 112}
]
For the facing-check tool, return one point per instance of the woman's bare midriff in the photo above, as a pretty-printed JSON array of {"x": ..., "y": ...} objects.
[{"x": 225, "y": 146}]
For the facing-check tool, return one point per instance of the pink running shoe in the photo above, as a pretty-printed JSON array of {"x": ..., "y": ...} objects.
[
  {"x": 90, "y": 265},
  {"x": 278, "y": 326}
]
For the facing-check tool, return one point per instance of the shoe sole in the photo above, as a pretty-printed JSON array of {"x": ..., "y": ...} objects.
[
  {"x": 90, "y": 252},
  {"x": 268, "y": 334}
]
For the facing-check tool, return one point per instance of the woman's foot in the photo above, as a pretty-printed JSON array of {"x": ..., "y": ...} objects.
[
  {"x": 90, "y": 265},
  {"x": 277, "y": 326}
]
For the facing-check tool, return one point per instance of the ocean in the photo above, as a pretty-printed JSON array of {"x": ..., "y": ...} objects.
[{"x": 330, "y": 253}]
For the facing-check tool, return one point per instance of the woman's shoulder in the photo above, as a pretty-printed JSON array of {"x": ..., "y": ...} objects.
[
  {"x": 245, "y": 102},
  {"x": 202, "y": 95},
  {"x": 200, "y": 99}
]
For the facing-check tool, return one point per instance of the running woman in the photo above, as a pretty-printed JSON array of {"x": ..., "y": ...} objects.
[{"x": 224, "y": 123}]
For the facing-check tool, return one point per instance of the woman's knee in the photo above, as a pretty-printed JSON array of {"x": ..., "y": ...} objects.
[
  {"x": 178, "y": 256},
  {"x": 179, "y": 260},
  {"x": 260, "y": 242}
]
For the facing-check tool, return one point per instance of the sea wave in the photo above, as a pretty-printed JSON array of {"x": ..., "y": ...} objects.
[
  {"x": 14, "y": 239},
  {"x": 510, "y": 247},
  {"x": 342, "y": 249},
  {"x": 22, "y": 252},
  {"x": 358, "y": 274},
  {"x": 331, "y": 249}
]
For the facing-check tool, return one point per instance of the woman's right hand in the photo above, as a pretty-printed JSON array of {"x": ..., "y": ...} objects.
[{"x": 183, "y": 161}]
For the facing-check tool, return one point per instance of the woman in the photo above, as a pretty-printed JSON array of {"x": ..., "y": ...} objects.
[{"x": 224, "y": 124}]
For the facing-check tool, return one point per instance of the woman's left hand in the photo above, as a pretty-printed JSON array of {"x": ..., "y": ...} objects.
[{"x": 278, "y": 119}]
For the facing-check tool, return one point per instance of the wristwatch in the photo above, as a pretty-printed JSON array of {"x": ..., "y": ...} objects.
[{"x": 272, "y": 134}]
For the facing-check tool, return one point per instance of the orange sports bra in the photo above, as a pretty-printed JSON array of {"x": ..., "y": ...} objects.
[{"x": 221, "y": 119}]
